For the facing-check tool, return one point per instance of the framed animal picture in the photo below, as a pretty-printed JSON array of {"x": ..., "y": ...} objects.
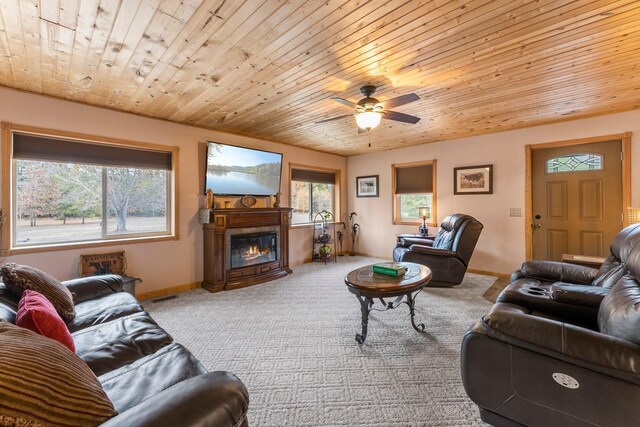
[{"x": 473, "y": 180}]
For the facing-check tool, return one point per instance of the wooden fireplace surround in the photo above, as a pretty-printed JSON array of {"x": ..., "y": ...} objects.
[{"x": 224, "y": 222}]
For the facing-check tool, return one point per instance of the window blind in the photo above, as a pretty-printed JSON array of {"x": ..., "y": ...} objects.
[
  {"x": 43, "y": 148},
  {"x": 414, "y": 179},
  {"x": 316, "y": 177}
]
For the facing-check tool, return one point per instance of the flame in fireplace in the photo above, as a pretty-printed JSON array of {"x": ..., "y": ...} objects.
[{"x": 254, "y": 252}]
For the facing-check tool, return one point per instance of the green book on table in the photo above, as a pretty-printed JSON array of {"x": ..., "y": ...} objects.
[{"x": 389, "y": 268}]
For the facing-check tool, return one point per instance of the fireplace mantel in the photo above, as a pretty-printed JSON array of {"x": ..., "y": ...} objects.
[{"x": 223, "y": 223}]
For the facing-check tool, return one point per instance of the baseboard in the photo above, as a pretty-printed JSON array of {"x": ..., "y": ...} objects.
[
  {"x": 488, "y": 273},
  {"x": 167, "y": 291}
]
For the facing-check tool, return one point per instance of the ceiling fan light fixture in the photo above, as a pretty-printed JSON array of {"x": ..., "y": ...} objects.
[{"x": 368, "y": 120}]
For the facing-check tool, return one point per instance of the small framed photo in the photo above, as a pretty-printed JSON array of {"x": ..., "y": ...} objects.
[
  {"x": 367, "y": 186},
  {"x": 473, "y": 180}
]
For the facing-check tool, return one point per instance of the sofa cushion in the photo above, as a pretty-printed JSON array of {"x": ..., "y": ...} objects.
[
  {"x": 37, "y": 314},
  {"x": 43, "y": 383},
  {"x": 134, "y": 383},
  {"x": 120, "y": 342},
  {"x": 103, "y": 309},
  {"x": 18, "y": 278}
]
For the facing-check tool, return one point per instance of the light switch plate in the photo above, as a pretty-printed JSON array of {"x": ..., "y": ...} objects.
[{"x": 515, "y": 212}]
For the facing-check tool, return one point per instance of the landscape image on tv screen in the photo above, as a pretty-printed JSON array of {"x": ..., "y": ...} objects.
[{"x": 235, "y": 170}]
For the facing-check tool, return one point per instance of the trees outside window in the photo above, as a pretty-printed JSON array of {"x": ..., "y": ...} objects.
[
  {"x": 66, "y": 190},
  {"x": 312, "y": 191}
]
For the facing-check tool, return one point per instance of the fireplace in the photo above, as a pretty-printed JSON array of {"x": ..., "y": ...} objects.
[
  {"x": 245, "y": 246},
  {"x": 253, "y": 249}
]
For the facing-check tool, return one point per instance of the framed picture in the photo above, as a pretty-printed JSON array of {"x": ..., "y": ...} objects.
[
  {"x": 367, "y": 186},
  {"x": 473, "y": 180}
]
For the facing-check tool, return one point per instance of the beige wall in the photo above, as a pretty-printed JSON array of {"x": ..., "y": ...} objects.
[
  {"x": 161, "y": 264},
  {"x": 501, "y": 246}
]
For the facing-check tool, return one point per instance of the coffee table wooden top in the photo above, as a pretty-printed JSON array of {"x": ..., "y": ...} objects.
[{"x": 366, "y": 281}]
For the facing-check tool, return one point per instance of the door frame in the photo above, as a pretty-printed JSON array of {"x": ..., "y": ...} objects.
[{"x": 528, "y": 199}]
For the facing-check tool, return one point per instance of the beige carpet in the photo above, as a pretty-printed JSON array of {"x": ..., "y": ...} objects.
[{"x": 291, "y": 341}]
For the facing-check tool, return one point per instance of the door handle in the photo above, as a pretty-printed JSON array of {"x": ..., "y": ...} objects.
[{"x": 534, "y": 226}]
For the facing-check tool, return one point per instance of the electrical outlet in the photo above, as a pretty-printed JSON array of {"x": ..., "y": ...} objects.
[{"x": 515, "y": 212}]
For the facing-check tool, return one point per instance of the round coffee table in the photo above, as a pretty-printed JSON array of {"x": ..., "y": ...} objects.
[{"x": 367, "y": 285}]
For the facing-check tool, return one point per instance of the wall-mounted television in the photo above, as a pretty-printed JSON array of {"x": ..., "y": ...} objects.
[{"x": 240, "y": 171}]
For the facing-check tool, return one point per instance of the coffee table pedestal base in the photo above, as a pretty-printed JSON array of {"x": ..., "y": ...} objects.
[{"x": 366, "y": 306}]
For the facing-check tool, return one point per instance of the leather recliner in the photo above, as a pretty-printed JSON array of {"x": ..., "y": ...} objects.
[
  {"x": 552, "y": 287},
  {"x": 447, "y": 254},
  {"x": 527, "y": 367}
]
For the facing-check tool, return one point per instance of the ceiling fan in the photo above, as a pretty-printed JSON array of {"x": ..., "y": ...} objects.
[{"x": 369, "y": 110}]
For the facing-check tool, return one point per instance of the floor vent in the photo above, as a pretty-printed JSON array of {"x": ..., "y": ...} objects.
[{"x": 168, "y": 297}]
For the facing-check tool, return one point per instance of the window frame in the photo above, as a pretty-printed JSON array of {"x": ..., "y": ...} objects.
[
  {"x": 9, "y": 192},
  {"x": 395, "y": 209},
  {"x": 336, "y": 190}
]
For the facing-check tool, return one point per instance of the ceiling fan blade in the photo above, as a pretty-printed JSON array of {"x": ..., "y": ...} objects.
[
  {"x": 333, "y": 118},
  {"x": 345, "y": 102},
  {"x": 400, "y": 117},
  {"x": 400, "y": 100}
]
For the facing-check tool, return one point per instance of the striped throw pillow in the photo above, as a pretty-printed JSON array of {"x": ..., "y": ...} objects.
[
  {"x": 42, "y": 383},
  {"x": 18, "y": 278}
]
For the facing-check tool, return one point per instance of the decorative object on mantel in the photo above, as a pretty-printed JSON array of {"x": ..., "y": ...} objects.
[
  {"x": 424, "y": 212},
  {"x": 354, "y": 231},
  {"x": 473, "y": 180},
  {"x": 272, "y": 200},
  {"x": 109, "y": 263},
  {"x": 209, "y": 202},
  {"x": 278, "y": 196},
  {"x": 204, "y": 216},
  {"x": 248, "y": 201}
]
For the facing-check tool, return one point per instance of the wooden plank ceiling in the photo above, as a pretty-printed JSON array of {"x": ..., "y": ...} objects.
[{"x": 268, "y": 68}]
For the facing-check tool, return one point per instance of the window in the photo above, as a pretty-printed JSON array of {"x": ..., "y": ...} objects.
[
  {"x": 413, "y": 188},
  {"x": 575, "y": 163},
  {"x": 68, "y": 191},
  {"x": 312, "y": 191}
]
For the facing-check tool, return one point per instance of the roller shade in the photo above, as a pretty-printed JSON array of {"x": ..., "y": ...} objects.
[
  {"x": 42, "y": 148},
  {"x": 414, "y": 179},
  {"x": 316, "y": 177}
]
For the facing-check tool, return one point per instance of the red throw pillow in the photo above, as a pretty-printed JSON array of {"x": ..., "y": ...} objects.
[{"x": 36, "y": 313}]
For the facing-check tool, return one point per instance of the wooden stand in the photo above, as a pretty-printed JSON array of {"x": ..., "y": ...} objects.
[{"x": 218, "y": 275}]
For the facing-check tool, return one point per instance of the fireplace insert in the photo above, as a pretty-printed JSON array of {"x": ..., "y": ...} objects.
[{"x": 254, "y": 248}]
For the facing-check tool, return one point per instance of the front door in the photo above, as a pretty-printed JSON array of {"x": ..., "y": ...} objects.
[{"x": 577, "y": 199}]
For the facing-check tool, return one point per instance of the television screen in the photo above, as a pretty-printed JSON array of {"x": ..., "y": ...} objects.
[{"x": 239, "y": 171}]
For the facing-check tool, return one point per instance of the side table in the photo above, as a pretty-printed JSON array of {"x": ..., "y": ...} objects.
[{"x": 129, "y": 284}]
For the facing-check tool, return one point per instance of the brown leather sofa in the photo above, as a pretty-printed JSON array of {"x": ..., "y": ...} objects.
[
  {"x": 526, "y": 366},
  {"x": 447, "y": 254},
  {"x": 553, "y": 287},
  {"x": 151, "y": 379}
]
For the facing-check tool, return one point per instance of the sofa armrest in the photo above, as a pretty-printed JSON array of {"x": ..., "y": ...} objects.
[
  {"x": 428, "y": 250},
  {"x": 515, "y": 325},
  {"x": 212, "y": 399},
  {"x": 584, "y": 295},
  {"x": 91, "y": 287},
  {"x": 408, "y": 241},
  {"x": 554, "y": 271}
]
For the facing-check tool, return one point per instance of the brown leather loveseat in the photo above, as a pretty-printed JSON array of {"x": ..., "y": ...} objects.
[{"x": 525, "y": 366}]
